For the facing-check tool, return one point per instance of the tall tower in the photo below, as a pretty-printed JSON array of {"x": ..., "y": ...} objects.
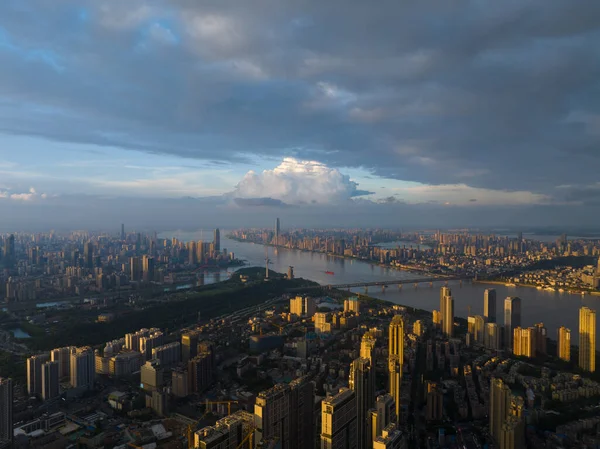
[
  {"x": 563, "y": 349},
  {"x": 88, "y": 255},
  {"x": 362, "y": 382},
  {"x": 489, "y": 305},
  {"x": 122, "y": 231},
  {"x": 448, "y": 317},
  {"x": 396, "y": 340},
  {"x": 587, "y": 339},
  {"x": 395, "y": 382},
  {"x": 277, "y": 231},
  {"x": 444, "y": 291},
  {"x": 512, "y": 318},
  {"x": 367, "y": 346},
  {"x": 338, "y": 421},
  {"x": 217, "y": 240},
  {"x": 6, "y": 413}
]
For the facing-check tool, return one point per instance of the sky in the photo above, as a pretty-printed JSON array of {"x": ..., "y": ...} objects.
[{"x": 190, "y": 113}]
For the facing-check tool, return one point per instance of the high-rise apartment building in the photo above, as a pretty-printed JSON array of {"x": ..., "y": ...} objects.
[
  {"x": 437, "y": 318},
  {"x": 395, "y": 382},
  {"x": 435, "y": 401},
  {"x": 385, "y": 413},
  {"x": 492, "y": 336},
  {"x": 587, "y": 339},
  {"x": 563, "y": 342},
  {"x": 396, "y": 339},
  {"x": 338, "y": 421},
  {"x": 541, "y": 339},
  {"x": 83, "y": 368},
  {"x": 489, "y": 305},
  {"x": 201, "y": 372},
  {"x": 149, "y": 342},
  {"x": 500, "y": 397},
  {"x": 352, "y": 305},
  {"x": 169, "y": 354},
  {"x": 303, "y": 306},
  {"x": 148, "y": 268},
  {"x": 34, "y": 373},
  {"x": 367, "y": 346},
  {"x": 391, "y": 438},
  {"x": 227, "y": 433},
  {"x": 189, "y": 346},
  {"x": 418, "y": 328},
  {"x": 448, "y": 317},
  {"x": 323, "y": 323},
  {"x": 524, "y": 341},
  {"x": 88, "y": 255},
  {"x": 277, "y": 231},
  {"x": 135, "y": 269},
  {"x": 362, "y": 382},
  {"x": 272, "y": 415},
  {"x": 151, "y": 375},
  {"x": 512, "y": 318},
  {"x": 63, "y": 357},
  {"x": 50, "y": 380},
  {"x": 302, "y": 413},
  {"x": 6, "y": 413},
  {"x": 479, "y": 329}
]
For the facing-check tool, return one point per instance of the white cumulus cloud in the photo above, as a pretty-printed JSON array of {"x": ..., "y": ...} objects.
[
  {"x": 298, "y": 182},
  {"x": 31, "y": 195}
]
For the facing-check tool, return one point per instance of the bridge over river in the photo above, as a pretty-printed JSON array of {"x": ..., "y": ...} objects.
[{"x": 384, "y": 284}]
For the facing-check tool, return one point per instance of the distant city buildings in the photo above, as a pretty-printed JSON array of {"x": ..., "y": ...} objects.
[
  {"x": 512, "y": 319},
  {"x": 564, "y": 344}
]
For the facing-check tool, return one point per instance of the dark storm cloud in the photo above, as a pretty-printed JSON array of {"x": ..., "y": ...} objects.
[{"x": 500, "y": 95}]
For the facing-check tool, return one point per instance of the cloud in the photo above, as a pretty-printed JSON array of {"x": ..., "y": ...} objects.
[
  {"x": 31, "y": 195},
  {"x": 257, "y": 202},
  {"x": 224, "y": 80},
  {"x": 298, "y": 182}
]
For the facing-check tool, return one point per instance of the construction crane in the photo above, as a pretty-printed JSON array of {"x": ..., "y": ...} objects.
[{"x": 190, "y": 428}]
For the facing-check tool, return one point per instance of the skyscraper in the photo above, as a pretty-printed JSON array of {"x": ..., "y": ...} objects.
[
  {"x": 489, "y": 305},
  {"x": 277, "y": 231},
  {"x": 34, "y": 373},
  {"x": 479, "y": 329},
  {"x": 217, "y": 240},
  {"x": 396, "y": 338},
  {"x": 444, "y": 291},
  {"x": 63, "y": 357},
  {"x": 272, "y": 415},
  {"x": 362, "y": 382},
  {"x": 135, "y": 269},
  {"x": 122, "y": 231},
  {"x": 50, "y": 380},
  {"x": 563, "y": 349},
  {"x": 524, "y": 341},
  {"x": 448, "y": 317},
  {"x": 435, "y": 401},
  {"x": 88, "y": 255},
  {"x": 148, "y": 268},
  {"x": 338, "y": 421},
  {"x": 512, "y": 318},
  {"x": 302, "y": 411},
  {"x": 367, "y": 346},
  {"x": 6, "y": 413},
  {"x": 587, "y": 339},
  {"x": 395, "y": 382}
]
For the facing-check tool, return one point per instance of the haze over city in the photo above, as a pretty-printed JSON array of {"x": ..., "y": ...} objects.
[{"x": 409, "y": 114}]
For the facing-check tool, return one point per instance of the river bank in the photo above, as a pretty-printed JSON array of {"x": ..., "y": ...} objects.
[{"x": 571, "y": 291}]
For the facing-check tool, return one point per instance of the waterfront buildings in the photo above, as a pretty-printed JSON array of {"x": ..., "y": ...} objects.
[
  {"x": 563, "y": 341},
  {"x": 512, "y": 318},
  {"x": 489, "y": 305},
  {"x": 587, "y": 339}
]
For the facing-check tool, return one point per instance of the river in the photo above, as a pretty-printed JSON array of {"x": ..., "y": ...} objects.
[{"x": 552, "y": 308}]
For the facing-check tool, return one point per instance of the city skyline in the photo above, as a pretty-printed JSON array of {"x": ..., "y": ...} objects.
[{"x": 293, "y": 111}]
